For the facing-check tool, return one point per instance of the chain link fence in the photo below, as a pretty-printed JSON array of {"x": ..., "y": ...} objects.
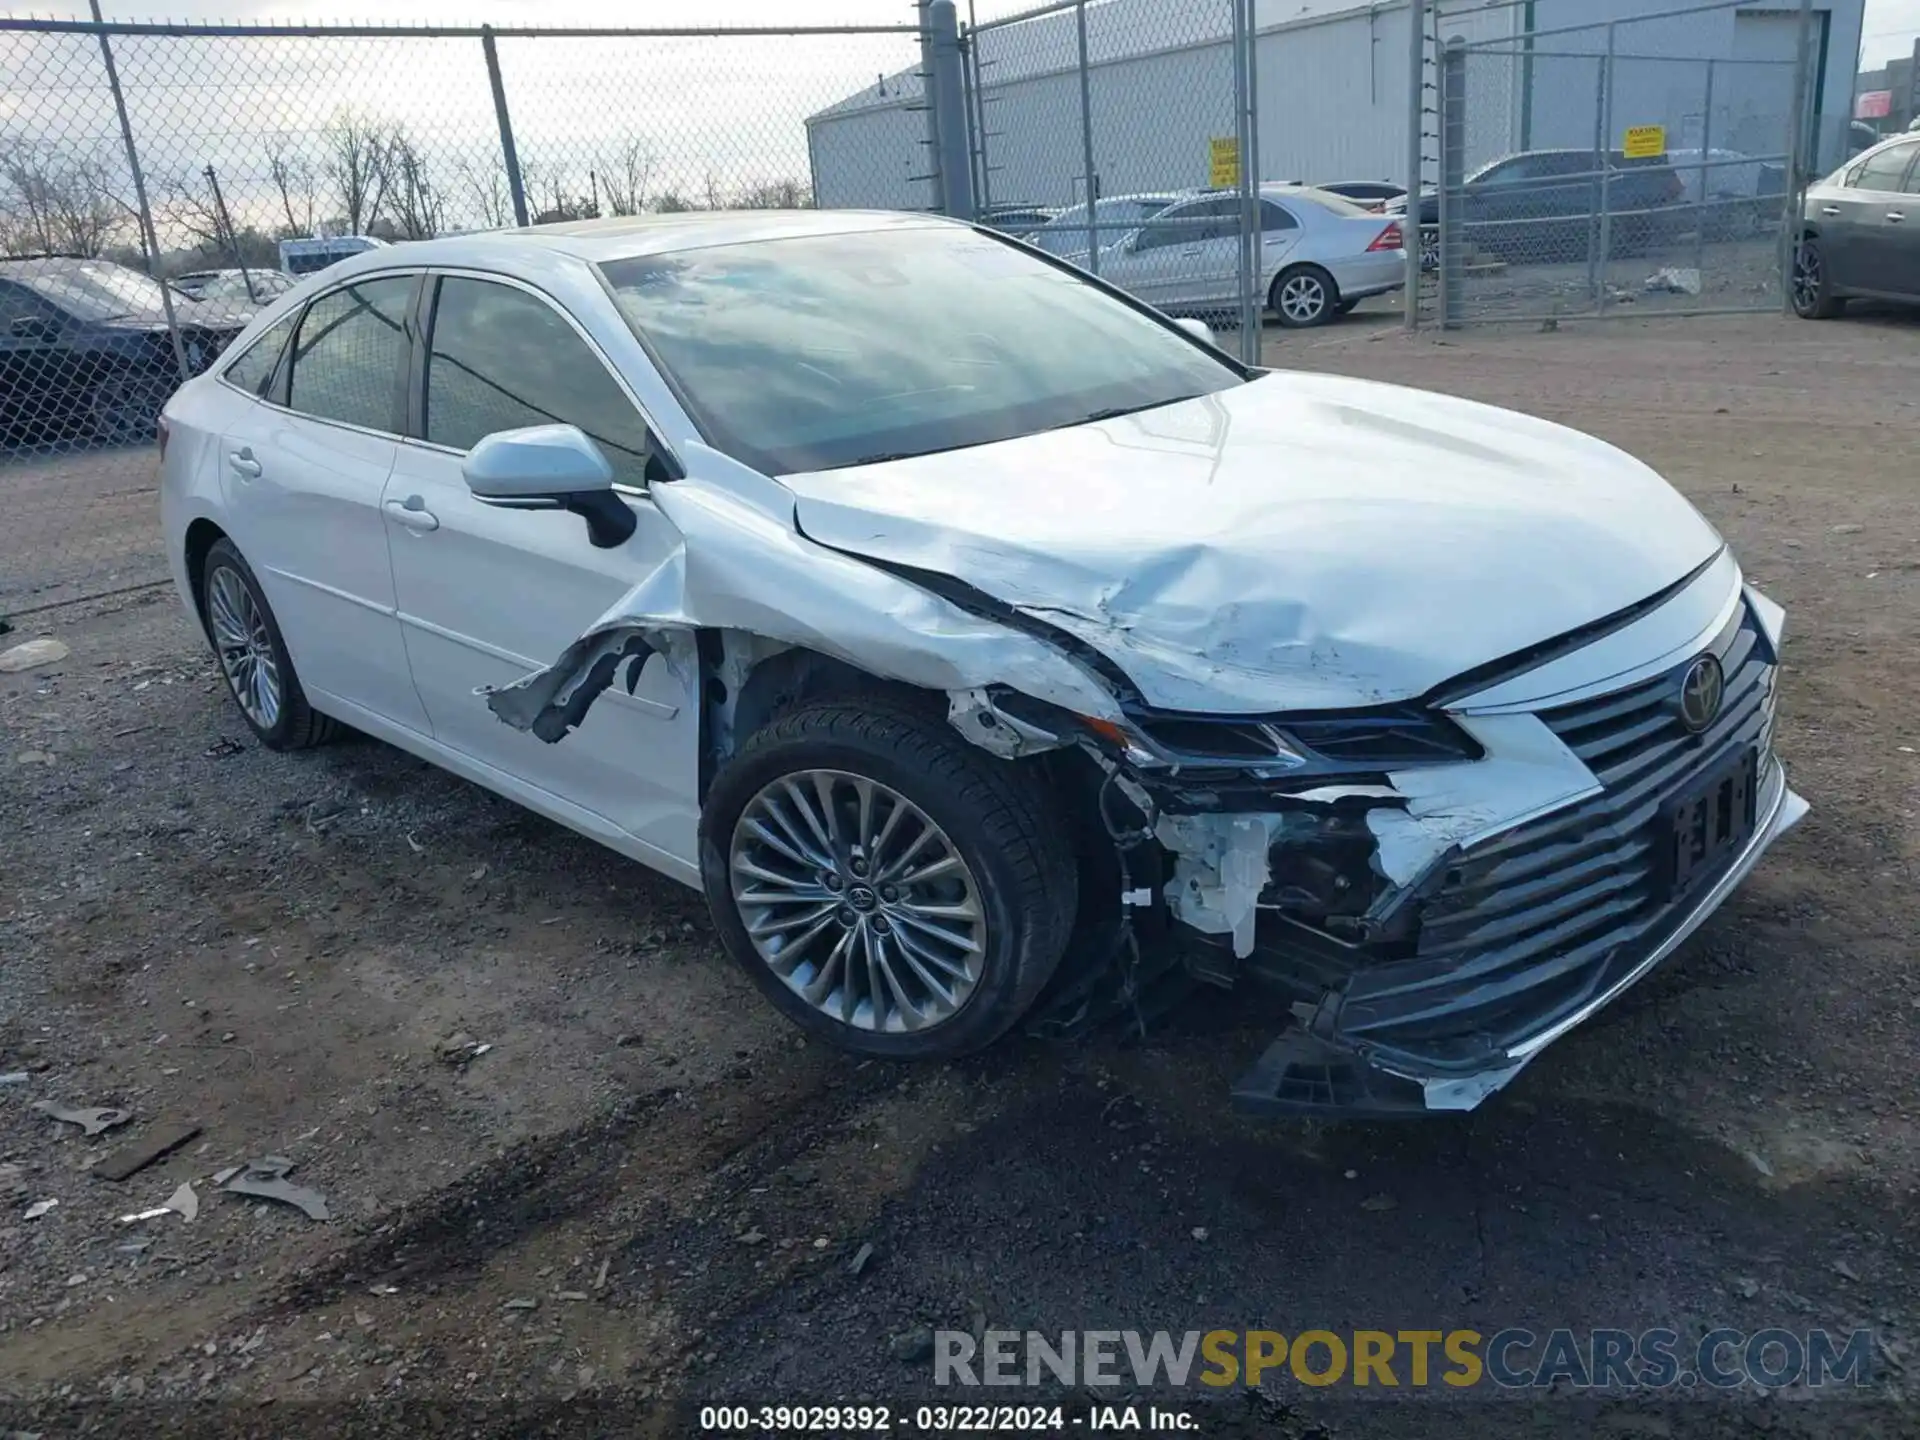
[
  {"x": 160, "y": 183},
  {"x": 1626, "y": 167},
  {"x": 140, "y": 232}
]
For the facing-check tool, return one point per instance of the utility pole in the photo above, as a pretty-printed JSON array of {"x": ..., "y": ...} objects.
[{"x": 225, "y": 223}]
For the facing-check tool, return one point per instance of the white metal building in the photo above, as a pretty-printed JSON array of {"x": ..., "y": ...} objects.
[{"x": 1332, "y": 92}]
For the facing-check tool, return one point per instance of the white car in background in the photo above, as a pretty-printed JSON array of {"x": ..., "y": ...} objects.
[{"x": 986, "y": 645}]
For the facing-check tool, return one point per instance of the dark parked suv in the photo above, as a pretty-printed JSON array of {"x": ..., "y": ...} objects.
[
  {"x": 1545, "y": 205},
  {"x": 84, "y": 349}
]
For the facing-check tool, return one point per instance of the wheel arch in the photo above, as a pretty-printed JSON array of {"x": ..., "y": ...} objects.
[{"x": 201, "y": 536}]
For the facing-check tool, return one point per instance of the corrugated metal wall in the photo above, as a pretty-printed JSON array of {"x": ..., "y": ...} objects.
[{"x": 1332, "y": 99}]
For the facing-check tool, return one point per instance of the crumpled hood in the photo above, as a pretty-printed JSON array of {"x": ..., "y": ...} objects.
[{"x": 1303, "y": 541}]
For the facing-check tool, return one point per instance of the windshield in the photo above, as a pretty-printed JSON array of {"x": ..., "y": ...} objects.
[
  {"x": 97, "y": 290},
  {"x": 1066, "y": 233},
  {"x": 830, "y": 350}
]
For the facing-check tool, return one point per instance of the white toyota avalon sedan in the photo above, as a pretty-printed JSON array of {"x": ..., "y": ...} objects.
[{"x": 988, "y": 647}]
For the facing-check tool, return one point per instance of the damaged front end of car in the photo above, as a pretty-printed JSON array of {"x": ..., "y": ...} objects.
[
  {"x": 1439, "y": 887},
  {"x": 1442, "y": 890}
]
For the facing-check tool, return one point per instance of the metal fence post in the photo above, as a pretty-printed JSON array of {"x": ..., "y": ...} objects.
[
  {"x": 1605, "y": 160},
  {"x": 1416, "y": 153},
  {"x": 1256, "y": 236},
  {"x": 508, "y": 154},
  {"x": 1453, "y": 167},
  {"x": 1599, "y": 152},
  {"x": 1089, "y": 186},
  {"x": 947, "y": 104},
  {"x": 1247, "y": 315},
  {"x": 1793, "y": 215},
  {"x": 147, "y": 236},
  {"x": 1706, "y": 161}
]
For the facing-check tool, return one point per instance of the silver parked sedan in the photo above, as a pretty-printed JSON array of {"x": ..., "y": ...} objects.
[
  {"x": 1862, "y": 233},
  {"x": 1320, "y": 255}
]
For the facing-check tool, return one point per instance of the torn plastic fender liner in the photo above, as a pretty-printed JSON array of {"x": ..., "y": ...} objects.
[{"x": 740, "y": 567}]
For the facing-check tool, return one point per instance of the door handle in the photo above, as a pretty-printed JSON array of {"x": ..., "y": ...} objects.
[
  {"x": 412, "y": 512},
  {"x": 1829, "y": 209},
  {"x": 1897, "y": 216},
  {"x": 242, "y": 463}
]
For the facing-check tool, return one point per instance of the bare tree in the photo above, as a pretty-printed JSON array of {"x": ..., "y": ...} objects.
[
  {"x": 296, "y": 183},
  {"x": 626, "y": 177},
  {"x": 488, "y": 192},
  {"x": 419, "y": 213},
  {"x": 775, "y": 195},
  {"x": 359, "y": 164},
  {"x": 57, "y": 200}
]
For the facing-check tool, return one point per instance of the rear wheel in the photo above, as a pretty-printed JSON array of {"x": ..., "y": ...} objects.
[
  {"x": 1303, "y": 297},
  {"x": 1813, "y": 297},
  {"x": 888, "y": 886},
  {"x": 253, "y": 655}
]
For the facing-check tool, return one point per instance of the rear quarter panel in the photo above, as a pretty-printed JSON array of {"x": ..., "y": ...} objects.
[{"x": 190, "y": 473}]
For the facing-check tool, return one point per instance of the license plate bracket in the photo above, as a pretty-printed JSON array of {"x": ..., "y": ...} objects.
[{"x": 1708, "y": 823}]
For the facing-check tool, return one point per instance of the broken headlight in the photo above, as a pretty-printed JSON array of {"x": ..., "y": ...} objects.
[{"x": 1387, "y": 738}]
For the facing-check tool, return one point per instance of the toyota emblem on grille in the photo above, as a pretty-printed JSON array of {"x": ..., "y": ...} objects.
[{"x": 1702, "y": 689}]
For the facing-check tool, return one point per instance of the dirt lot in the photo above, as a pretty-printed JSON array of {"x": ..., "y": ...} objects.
[{"x": 648, "y": 1194}]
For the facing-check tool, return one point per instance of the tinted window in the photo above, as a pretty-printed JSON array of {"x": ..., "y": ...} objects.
[
  {"x": 502, "y": 359},
  {"x": 1273, "y": 217},
  {"x": 829, "y": 350},
  {"x": 1066, "y": 233},
  {"x": 347, "y": 356},
  {"x": 257, "y": 362},
  {"x": 19, "y": 303},
  {"x": 1888, "y": 169},
  {"x": 1190, "y": 224}
]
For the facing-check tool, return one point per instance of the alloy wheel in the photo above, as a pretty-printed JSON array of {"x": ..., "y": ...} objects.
[
  {"x": 1303, "y": 299},
  {"x": 245, "y": 647},
  {"x": 1807, "y": 274},
  {"x": 858, "y": 901}
]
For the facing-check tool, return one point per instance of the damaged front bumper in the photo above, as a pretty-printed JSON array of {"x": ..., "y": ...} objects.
[
  {"x": 1437, "y": 931},
  {"x": 1412, "y": 1039}
]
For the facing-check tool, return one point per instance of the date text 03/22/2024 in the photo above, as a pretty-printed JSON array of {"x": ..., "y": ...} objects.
[{"x": 943, "y": 1419}]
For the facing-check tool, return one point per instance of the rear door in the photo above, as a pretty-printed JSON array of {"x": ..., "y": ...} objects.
[
  {"x": 489, "y": 595},
  {"x": 1860, "y": 242},
  {"x": 1185, "y": 257},
  {"x": 303, "y": 467}
]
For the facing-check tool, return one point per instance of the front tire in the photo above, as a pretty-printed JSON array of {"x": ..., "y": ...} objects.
[
  {"x": 891, "y": 888},
  {"x": 1303, "y": 297},
  {"x": 1813, "y": 297},
  {"x": 253, "y": 655}
]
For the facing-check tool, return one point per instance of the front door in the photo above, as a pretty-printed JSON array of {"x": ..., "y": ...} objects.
[{"x": 488, "y": 595}]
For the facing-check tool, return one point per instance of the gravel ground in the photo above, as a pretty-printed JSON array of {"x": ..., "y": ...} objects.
[{"x": 648, "y": 1194}]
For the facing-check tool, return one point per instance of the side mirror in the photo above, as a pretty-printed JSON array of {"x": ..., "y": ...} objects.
[
  {"x": 1199, "y": 329},
  {"x": 550, "y": 467}
]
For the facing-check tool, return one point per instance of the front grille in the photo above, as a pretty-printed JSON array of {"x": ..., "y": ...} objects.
[{"x": 1527, "y": 926}]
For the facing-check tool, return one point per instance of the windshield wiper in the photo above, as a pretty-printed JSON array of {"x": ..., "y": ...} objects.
[{"x": 1114, "y": 412}]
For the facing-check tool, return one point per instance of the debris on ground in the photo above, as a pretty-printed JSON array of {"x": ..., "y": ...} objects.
[
  {"x": 911, "y": 1345},
  {"x": 93, "y": 1121},
  {"x": 138, "y": 1154},
  {"x": 1674, "y": 280},
  {"x": 34, "y": 757},
  {"x": 523, "y": 1303},
  {"x": 1379, "y": 1203},
  {"x": 860, "y": 1259},
  {"x": 184, "y": 1202},
  {"x": 15, "y": 1077},
  {"x": 38, "y": 1208},
  {"x": 460, "y": 1048},
  {"x": 226, "y": 745},
  {"x": 1846, "y": 1271},
  {"x": 266, "y": 1179},
  {"x": 31, "y": 654}
]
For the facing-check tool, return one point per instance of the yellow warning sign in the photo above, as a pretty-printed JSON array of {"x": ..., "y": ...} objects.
[
  {"x": 1223, "y": 161},
  {"x": 1645, "y": 142}
]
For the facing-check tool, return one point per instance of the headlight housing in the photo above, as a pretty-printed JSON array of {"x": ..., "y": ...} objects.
[{"x": 1373, "y": 741}]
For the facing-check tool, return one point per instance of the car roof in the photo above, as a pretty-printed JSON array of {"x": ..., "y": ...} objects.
[
  {"x": 54, "y": 264},
  {"x": 627, "y": 236}
]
